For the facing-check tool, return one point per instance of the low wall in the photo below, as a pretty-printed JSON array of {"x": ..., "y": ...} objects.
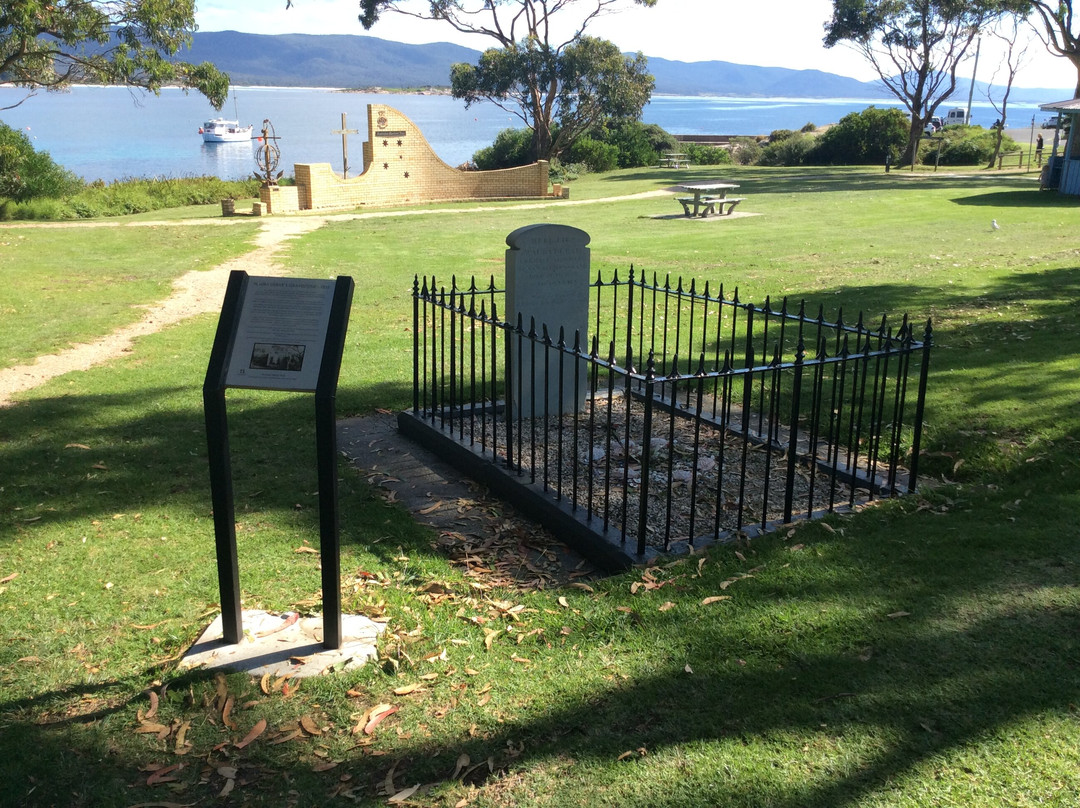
[{"x": 401, "y": 168}]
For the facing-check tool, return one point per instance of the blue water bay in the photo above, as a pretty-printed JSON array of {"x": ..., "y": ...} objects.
[{"x": 114, "y": 133}]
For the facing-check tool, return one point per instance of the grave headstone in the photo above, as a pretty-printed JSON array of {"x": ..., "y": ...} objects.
[{"x": 547, "y": 283}]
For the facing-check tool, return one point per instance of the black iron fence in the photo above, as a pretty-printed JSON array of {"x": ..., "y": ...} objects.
[{"x": 685, "y": 417}]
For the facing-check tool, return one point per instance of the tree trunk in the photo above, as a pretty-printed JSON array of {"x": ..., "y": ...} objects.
[{"x": 912, "y": 150}]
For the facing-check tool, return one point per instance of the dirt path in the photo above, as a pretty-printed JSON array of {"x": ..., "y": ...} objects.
[
  {"x": 201, "y": 292},
  {"x": 196, "y": 292}
]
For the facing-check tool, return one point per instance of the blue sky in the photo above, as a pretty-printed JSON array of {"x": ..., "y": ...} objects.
[{"x": 787, "y": 35}]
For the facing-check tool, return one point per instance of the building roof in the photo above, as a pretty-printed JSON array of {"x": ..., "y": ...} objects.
[{"x": 1071, "y": 105}]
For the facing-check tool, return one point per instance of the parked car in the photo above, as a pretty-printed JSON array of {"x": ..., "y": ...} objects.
[{"x": 1053, "y": 122}]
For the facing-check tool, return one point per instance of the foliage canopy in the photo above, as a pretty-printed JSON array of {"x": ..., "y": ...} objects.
[
  {"x": 863, "y": 138},
  {"x": 1062, "y": 31},
  {"x": 51, "y": 45},
  {"x": 544, "y": 69},
  {"x": 915, "y": 46},
  {"x": 29, "y": 174}
]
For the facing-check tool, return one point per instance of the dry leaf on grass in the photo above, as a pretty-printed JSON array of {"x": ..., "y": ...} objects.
[
  {"x": 288, "y": 736},
  {"x": 150, "y": 727},
  {"x": 462, "y": 761},
  {"x": 256, "y": 731},
  {"x": 182, "y": 747},
  {"x": 226, "y": 712},
  {"x": 162, "y": 774},
  {"x": 309, "y": 725},
  {"x": 403, "y": 795},
  {"x": 153, "y": 705},
  {"x": 715, "y": 599},
  {"x": 373, "y": 717}
]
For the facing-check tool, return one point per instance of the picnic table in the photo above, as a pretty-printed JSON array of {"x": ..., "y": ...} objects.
[
  {"x": 674, "y": 160},
  {"x": 708, "y": 198}
]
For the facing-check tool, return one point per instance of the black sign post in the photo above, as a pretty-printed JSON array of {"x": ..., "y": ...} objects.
[{"x": 277, "y": 334}]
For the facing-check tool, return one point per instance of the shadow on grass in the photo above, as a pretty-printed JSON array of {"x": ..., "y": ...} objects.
[
  {"x": 813, "y": 179},
  {"x": 900, "y": 692},
  {"x": 801, "y": 691},
  {"x": 1020, "y": 199}
]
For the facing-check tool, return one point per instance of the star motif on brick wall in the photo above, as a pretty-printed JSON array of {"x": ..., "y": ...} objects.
[
  {"x": 399, "y": 142},
  {"x": 386, "y": 165},
  {"x": 406, "y": 175},
  {"x": 387, "y": 143}
]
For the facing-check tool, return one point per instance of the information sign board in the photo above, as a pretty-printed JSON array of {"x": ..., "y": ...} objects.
[{"x": 280, "y": 334}]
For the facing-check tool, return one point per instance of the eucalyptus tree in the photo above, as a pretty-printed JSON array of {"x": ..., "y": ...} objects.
[
  {"x": 1061, "y": 31},
  {"x": 1014, "y": 54},
  {"x": 915, "y": 46},
  {"x": 543, "y": 68},
  {"x": 52, "y": 44}
]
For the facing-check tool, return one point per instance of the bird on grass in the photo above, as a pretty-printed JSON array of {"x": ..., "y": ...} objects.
[{"x": 994, "y": 224}]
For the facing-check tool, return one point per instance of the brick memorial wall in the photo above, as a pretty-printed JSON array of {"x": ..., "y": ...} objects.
[{"x": 401, "y": 168}]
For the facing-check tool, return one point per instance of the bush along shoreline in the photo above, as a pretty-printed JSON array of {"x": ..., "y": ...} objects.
[{"x": 34, "y": 187}]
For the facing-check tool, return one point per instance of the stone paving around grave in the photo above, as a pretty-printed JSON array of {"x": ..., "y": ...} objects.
[{"x": 478, "y": 532}]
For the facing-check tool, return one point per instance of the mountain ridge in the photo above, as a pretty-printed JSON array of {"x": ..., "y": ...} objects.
[{"x": 361, "y": 61}]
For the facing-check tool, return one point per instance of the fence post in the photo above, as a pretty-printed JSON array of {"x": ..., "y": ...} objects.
[
  {"x": 630, "y": 321},
  {"x": 916, "y": 440},
  {"x": 416, "y": 344},
  {"x": 748, "y": 377},
  {"x": 454, "y": 296},
  {"x": 508, "y": 388},
  {"x": 646, "y": 451},
  {"x": 793, "y": 429}
]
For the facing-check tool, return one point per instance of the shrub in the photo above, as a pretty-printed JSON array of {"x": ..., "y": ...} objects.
[
  {"x": 28, "y": 174},
  {"x": 809, "y": 127},
  {"x": 596, "y": 155},
  {"x": 558, "y": 171},
  {"x": 704, "y": 155},
  {"x": 512, "y": 147},
  {"x": 788, "y": 151},
  {"x": 638, "y": 144},
  {"x": 130, "y": 196},
  {"x": 965, "y": 146},
  {"x": 745, "y": 150},
  {"x": 862, "y": 138},
  {"x": 780, "y": 135}
]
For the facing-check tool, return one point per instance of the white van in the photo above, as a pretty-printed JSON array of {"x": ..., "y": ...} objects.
[{"x": 955, "y": 116}]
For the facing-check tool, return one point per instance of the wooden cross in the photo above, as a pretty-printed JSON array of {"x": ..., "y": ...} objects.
[{"x": 344, "y": 131}]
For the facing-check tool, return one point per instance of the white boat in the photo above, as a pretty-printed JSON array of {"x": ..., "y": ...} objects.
[{"x": 220, "y": 130}]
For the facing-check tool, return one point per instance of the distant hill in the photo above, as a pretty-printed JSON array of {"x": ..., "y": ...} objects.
[
  {"x": 329, "y": 60},
  {"x": 347, "y": 60}
]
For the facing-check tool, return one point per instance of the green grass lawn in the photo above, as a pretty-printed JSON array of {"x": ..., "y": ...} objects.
[
  {"x": 69, "y": 284},
  {"x": 921, "y": 652}
]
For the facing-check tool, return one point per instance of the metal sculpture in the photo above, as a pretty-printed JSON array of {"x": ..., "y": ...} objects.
[{"x": 268, "y": 155}]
